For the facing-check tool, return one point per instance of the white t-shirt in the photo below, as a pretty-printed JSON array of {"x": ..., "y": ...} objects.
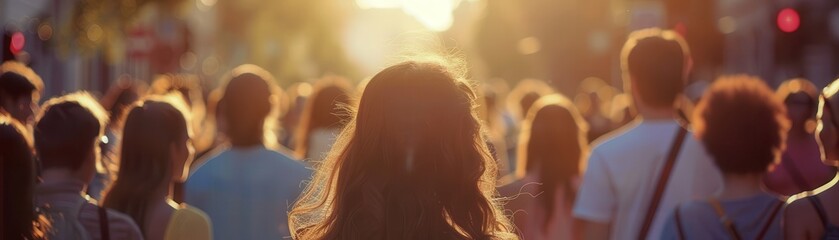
[{"x": 623, "y": 170}]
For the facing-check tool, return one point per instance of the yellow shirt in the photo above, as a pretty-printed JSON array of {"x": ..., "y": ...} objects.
[{"x": 189, "y": 223}]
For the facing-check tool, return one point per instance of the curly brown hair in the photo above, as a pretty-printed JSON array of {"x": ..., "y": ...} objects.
[{"x": 742, "y": 123}]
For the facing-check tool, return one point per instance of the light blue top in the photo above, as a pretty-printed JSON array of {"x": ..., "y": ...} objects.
[
  {"x": 698, "y": 219},
  {"x": 247, "y": 192}
]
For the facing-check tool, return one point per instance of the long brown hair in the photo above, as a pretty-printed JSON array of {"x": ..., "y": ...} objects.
[
  {"x": 412, "y": 164},
  {"x": 151, "y": 127},
  {"x": 325, "y": 108},
  {"x": 18, "y": 182},
  {"x": 553, "y": 144}
]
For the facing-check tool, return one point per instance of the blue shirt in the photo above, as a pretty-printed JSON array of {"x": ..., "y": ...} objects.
[
  {"x": 247, "y": 192},
  {"x": 698, "y": 220}
]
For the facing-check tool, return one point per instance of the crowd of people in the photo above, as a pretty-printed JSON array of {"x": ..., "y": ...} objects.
[{"x": 419, "y": 152}]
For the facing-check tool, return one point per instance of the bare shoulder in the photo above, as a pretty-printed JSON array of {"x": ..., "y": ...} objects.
[
  {"x": 191, "y": 214},
  {"x": 800, "y": 218},
  {"x": 189, "y": 223},
  {"x": 798, "y": 207}
]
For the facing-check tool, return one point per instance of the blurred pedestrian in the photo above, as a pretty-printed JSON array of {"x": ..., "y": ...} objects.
[
  {"x": 156, "y": 151},
  {"x": 801, "y": 168},
  {"x": 815, "y": 215},
  {"x": 247, "y": 189},
  {"x": 744, "y": 127},
  {"x": 323, "y": 118},
  {"x": 20, "y": 220},
  {"x": 638, "y": 175},
  {"x": 552, "y": 150},
  {"x": 67, "y": 135}
]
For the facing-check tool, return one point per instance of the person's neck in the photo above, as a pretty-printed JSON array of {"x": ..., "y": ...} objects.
[
  {"x": 655, "y": 114},
  {"x": 51, "y": 176},
  {"x": 741, "y": 186},
  {"x": 163, "y": 194},
  {"x": 248, "y": 137},
  {"x": 246, "y": 143}
]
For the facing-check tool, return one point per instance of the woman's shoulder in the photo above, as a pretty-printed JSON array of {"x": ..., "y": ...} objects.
[
  {"x": 189, "y": 223},
  {"x": 186, "y": 212}
]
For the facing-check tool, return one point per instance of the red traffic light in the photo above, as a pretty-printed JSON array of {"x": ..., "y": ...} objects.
[{"x": 788, "y": 20}]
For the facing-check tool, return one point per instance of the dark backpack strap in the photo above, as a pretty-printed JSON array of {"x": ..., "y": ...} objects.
[
  {"x": 663, "y": 178},
  {"x": 820, "y": 210},
  {"x": 679, "y": 231},
  {"x": 724, "y": 219},
  {"x": 104, "y": 229},
  {"x": 775, "y": 209}
]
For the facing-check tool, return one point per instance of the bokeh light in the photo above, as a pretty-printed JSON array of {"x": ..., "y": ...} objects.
[
  {"x": 205, "y": 5},
  {"x": 45, "y": 31},
  {"x": 727, "y": 25},
  {"x": 17, "y": 43},
  {"x": 529, "y": 45},
  {"x": 788, "y": 20},
  {"x": 95, "y": 33},
  {"x": 436, "y": 15}
]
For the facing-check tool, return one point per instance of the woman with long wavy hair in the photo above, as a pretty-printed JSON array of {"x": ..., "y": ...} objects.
[
  {"x": 156, "y": 151},
  {"x": 552, "y": 149},
  {"x": 411, "y": 164}
]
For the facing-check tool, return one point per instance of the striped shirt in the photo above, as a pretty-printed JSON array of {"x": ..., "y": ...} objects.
[{"x": 62, "y": 199}]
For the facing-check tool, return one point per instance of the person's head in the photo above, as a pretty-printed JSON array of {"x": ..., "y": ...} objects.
[
  {"x": 593, "y": 97},
  {"x": 827, "y": 129},
  {"x": 742, "y": 124},
  {"x": 412, "y": 163},
  {"x": 526, "y": 92},
  {"x": 188, "y": 87},
  {"x": 119, "y": 97},
  {"x": 156, "y": 151},
  {"x": 67, "y": 134},
  {"x": 248, "y": 101},
  {"x": 16, "y": 97},
  {"x": 552, "y": 146},
  {"x": 185, "y": 85},
  {"x": 655, "y": 65},
  {"x": 325, "y": 109},
  {"x": 18, "y": 180},
  {"x": 801, "y": 99}
]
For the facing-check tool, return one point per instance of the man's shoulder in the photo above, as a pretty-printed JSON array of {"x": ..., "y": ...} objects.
[
  {"x": 211, "y": 158},
  {"x": 635, "y": 139},
  {"x": 119, "y": 224},
  {"x": 619, "y": 139},
  {"x": 284, "y": 160}
]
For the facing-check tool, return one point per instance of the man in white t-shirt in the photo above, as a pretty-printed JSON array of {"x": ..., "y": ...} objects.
[
  {"x": 247, "y": 190},
  {"x": 624, "y": 167}
]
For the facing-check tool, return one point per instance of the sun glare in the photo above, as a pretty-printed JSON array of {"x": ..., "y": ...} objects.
[{"x": 436, "y": 15}]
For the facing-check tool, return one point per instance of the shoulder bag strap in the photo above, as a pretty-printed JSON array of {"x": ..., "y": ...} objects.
[
  {"x": 817, "y": 203},
  {"x": 724, "y": 219},
  {"x": 663, "y": 178},
  {"x": 680, "y": 232},
  {"x": 104, "y": 229},
  {"x": 775, "y": 209}
]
